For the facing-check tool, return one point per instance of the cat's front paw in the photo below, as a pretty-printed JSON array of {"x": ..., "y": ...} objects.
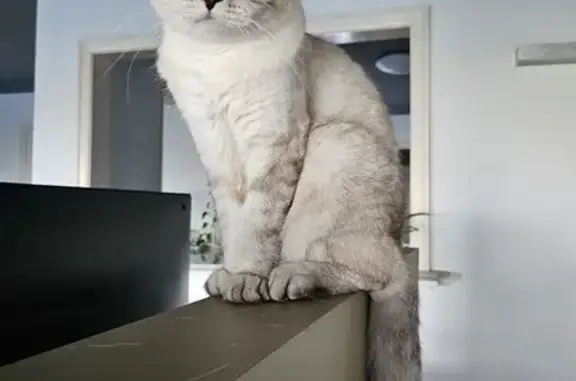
[
  {"x": 237, "y": 288},
  {"x": 289, "y": 281}
]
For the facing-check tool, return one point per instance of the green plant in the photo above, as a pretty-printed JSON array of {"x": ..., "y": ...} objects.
[{"x": 205, "y": 244}]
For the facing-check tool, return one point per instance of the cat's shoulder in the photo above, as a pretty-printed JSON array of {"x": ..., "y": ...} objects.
[
  {"x": 327, "y": 59},
  {"x": 318, "y": 50},
  {"x": 318, "y": 45}
]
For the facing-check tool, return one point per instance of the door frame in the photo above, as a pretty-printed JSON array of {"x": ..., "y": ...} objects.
[{"x": 416, "y": 18}]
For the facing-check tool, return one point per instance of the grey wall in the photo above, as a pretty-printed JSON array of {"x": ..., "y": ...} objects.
[{"x": 127, "y": 125}]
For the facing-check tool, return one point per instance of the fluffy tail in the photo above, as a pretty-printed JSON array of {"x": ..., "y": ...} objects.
[{"x": 394, "y": 352}]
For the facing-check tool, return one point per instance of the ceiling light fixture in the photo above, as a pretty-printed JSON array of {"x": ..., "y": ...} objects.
[{"x": 394, "y": 64}]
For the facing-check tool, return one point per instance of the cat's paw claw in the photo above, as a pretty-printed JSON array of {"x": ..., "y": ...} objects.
[
  {"x": 237, "y": 288},
  {"x": 287, "y": 282},
  {"x": 212, "y": 284}
]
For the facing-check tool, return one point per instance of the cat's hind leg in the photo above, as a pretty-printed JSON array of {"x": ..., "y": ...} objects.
[
  {"x": 348, "y": 203},
  {"x": 369, "y": 267}
]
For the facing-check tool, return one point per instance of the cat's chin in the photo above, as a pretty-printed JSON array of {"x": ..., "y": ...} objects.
[{"x": 210, "y": 29}]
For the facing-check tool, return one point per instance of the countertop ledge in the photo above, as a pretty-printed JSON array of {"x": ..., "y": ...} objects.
[{"x": 209, "y": 340}]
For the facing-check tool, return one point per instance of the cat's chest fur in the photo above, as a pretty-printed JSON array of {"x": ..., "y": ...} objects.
[{"x": 229, "y": 100}]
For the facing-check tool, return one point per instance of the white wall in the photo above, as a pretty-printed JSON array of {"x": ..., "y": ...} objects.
[
  {"x": 16, "y": 113},
  {"x": 503, "y": 173}
]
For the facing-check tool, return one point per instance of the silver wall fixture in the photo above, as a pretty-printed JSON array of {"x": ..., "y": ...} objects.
[{"x": 546, "y": 54}]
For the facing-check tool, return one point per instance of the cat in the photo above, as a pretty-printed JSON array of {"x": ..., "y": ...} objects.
[{"x": 302, "y": 161}]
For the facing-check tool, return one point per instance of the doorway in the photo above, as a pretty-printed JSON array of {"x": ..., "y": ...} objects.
[{"x": 126, "y": 119}]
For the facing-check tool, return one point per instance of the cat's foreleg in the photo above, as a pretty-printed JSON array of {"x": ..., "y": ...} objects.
[{"x": 252, "y": 231}]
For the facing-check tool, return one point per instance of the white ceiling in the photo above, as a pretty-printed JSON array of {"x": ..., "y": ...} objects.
[{"x": 17, "y": 37}]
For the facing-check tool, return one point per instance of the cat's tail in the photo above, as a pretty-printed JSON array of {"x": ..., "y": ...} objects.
[{"x": 394, "y": 352}]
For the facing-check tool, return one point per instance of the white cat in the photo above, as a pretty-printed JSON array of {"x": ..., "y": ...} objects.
[{"x": 302, "y": 161}]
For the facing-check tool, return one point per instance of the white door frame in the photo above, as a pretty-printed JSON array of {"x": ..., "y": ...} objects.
[{"x": 416, "y": 18}]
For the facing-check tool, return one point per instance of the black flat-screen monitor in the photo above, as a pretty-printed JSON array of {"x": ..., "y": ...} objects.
[{"x": 75, "y": 262}]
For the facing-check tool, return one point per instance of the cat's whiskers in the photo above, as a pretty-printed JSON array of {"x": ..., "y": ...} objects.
[
  {"x": 113, "y": 64},
  {"x": 128, "y": 74},
  {"x": 260, "y": 28},
  {"x": 231, "y": 19},
  {"x": 156, "y": 29},
  {"x": 117, "y": 30},
  {"x": 269, "y": 4}
]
